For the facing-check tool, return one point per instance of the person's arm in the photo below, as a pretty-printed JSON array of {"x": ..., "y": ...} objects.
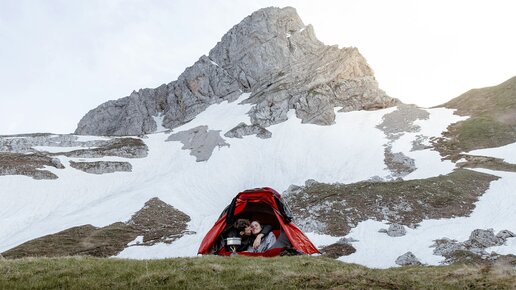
[{"x": 266, "y": 229}]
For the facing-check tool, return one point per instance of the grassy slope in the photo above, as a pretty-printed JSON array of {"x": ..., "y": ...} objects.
[
  {"x": 492, "y": 122},
  {"x": 241, "y": 273}
]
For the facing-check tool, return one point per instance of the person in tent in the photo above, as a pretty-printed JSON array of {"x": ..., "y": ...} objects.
[
  {"x": 267, "y": 205},
  {"x": 263, "y": 241},
  {"x": 251, "y": 237}
]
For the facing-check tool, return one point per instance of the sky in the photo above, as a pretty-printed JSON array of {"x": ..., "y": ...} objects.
[{"x": 61, "y": 58}]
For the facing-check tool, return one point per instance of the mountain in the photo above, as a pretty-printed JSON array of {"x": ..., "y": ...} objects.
[
  {"x": 269, "y": 106},
  {"x": 272, "y": 56}
]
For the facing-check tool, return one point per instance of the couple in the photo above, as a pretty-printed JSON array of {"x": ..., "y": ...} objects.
[{"x": 255, "y": 238}]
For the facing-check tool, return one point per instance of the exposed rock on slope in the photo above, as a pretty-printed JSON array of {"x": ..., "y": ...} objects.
[
  {"x": 101, "y": 167},
  {"x": 270, "y": 54},
  {"x": 28, "y": 164},
  {"x": 155, "y": 222},
  {"x": 336, "y": 208},
  {"x": 473, "y": 249}
]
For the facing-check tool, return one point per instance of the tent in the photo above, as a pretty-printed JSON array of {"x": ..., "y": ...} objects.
[{"x": 266, "y": 205}]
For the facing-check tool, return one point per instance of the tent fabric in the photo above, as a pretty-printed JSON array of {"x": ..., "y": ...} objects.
[{"x": 243, "y": 203}]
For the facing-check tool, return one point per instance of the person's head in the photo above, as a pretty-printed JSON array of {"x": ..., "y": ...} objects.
[
  {"x": 243, "y": 227},
  {"x": 256, "y": 227}
]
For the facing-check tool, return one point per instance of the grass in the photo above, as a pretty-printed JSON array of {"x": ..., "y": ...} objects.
[
  {"x": 492, "y": 121},
  {"x": 211, "y": 272}
]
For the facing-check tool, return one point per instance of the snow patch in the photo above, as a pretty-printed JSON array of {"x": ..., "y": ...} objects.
[
  {"x": 507, "y": 152},
  {"x": 495, "y": 209}
]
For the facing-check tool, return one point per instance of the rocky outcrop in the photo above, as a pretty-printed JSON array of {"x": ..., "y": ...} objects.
[
  {"x": 270, "y": 54},
  {"x": 243, "y": 129},
  {"x": 334, "y": 209},
  {"x": 473, "y": 248},
  {"x": 407, "y": 259},
  {"x": 119, "y": 147},
  {"x": 101, "y": 167},
  {"x": 156, "y": 222},
  {"x": 200, "y": 141},
  {"x": 398, "y": 163},
  {"x": 28, "y": 164}
]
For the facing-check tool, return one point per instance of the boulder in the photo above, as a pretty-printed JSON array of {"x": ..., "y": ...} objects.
[
  {"x": 407, "y": 259},
  {"x": 481, "y": 239},
  {"x": 394, "y": 230}
]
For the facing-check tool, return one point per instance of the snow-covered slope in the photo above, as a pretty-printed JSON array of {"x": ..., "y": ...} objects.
[{"x": 351, "y": 150}]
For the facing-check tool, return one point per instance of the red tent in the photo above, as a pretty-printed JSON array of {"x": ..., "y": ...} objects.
[{"x": 267, "y": 206}]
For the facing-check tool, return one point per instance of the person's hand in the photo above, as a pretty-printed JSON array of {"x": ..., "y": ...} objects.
[{"x": 257, "y": 241}]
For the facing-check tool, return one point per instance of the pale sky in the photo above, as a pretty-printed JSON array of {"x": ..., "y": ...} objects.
[{"x": 61, "y": 58}]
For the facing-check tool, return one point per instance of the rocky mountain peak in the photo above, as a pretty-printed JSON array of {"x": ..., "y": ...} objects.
[{"x": 270, "y": 54}]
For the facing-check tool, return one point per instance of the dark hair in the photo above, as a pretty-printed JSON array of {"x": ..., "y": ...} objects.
[{"x": 241, "y": 224}]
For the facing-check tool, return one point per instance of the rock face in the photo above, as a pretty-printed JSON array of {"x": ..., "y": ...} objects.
[{"x": 270, "y": 54}]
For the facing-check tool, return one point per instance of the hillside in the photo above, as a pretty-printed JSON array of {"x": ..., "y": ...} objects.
[{"x": 492, "y": 121}]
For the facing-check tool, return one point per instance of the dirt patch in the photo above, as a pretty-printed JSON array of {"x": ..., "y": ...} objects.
[
  {"x": 28, "y": 164},
  {"x": 336, "y": 208},
  {"x": 156, "y": 222}
]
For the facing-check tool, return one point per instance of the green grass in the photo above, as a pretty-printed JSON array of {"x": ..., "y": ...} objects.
[
  {"x": 492, "y": 121},
  {"x": 241, "y": 273}
]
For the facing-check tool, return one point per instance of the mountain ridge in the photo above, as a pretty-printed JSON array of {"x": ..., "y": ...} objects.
[{"x": 270, "y": 54}]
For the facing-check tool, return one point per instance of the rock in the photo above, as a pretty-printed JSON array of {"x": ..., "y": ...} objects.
[
  {"x": 398, "y": 163},
  {"x": 270, "y": 54},
  {"x": 244, "y": 130},
  {"x": 446, "y": 247},
  {"x": 483, "y": 239},
  {"x": 101, "y": 167},
  {"x": 310, "y": 182},
  {"x": 200, "y": 141},
  {"x": 396, "y": 230},
  {"x": 346, "y": 241},
  {"x": 57, "y": 163},
  {"x": 407, "y": 259},
  {"x": 505, "y": 234}
]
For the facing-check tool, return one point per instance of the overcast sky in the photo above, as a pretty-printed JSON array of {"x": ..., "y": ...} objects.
[{"x": 60, "y": 59}]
